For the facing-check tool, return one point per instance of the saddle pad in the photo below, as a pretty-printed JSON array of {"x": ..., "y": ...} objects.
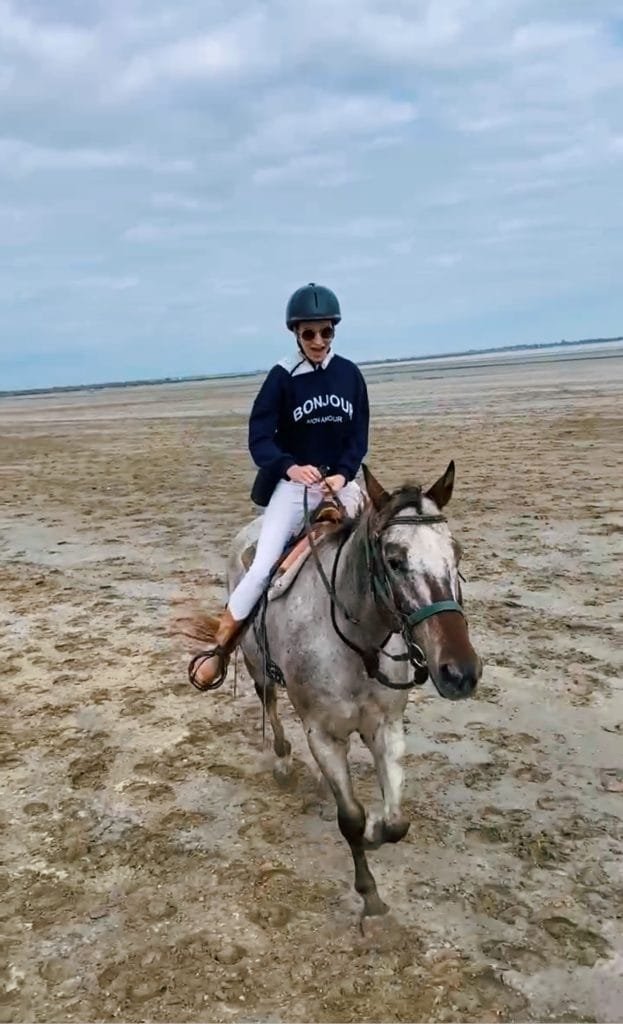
[{"x": 291, "y": 564}]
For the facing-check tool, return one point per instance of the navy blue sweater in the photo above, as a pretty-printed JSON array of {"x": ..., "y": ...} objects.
[{"x": 308, "y": 416}]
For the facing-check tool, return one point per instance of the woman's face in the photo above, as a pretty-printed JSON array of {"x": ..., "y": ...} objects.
[{"x": 315, "y": 337}]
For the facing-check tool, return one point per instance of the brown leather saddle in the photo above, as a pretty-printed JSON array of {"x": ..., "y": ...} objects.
[{"x": 326, "y": 518}]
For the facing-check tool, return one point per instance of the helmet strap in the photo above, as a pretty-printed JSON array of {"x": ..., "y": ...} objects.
[{"x": 316, "y": 366}]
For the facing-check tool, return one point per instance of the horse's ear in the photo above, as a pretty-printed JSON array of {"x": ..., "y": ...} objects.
[
  {"x": 441, "y": 491},
  {"x": 378, "y": 495}
]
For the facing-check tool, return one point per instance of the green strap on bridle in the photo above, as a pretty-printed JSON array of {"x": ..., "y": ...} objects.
[
  {"x": 381, "y": 585},
  {"x": 421, "y": 614}
]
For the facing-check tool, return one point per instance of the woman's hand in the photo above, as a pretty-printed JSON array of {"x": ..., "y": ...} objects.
[
  {"x": 334, "y": 483},
  {"x": 304, "y": 475}
]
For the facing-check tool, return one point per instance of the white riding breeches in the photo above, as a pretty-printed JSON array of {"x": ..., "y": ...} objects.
[{"x": 283, "y": 518}]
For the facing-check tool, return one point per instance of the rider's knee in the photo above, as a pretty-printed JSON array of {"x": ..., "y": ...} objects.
[{"x": 352, "y": 498}]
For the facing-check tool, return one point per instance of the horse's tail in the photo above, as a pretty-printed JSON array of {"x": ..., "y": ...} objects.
[{"x": 196, "y": 627}]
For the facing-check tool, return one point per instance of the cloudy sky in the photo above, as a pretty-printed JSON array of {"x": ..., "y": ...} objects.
[{"x": 170, "y": 172}]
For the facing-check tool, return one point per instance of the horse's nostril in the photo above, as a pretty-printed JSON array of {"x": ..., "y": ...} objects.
[
  {"x": 450, "y": 673},
  {"x": 462, "y": 679}
]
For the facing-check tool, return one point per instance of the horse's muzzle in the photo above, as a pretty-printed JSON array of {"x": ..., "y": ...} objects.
[{"x": 455, "y": 680}]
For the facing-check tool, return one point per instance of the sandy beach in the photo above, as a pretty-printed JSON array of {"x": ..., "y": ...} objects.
[{"x": 152, "y": 869}]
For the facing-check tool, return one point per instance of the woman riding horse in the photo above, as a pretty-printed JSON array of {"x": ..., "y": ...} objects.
[{"x": 308, "y": 431}]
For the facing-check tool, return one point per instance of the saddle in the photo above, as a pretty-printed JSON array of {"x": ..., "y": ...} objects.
[{"x": 324, "y": 521}]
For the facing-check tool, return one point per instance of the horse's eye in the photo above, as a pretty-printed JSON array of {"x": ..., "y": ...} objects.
[{"x": 396, "y": 557}]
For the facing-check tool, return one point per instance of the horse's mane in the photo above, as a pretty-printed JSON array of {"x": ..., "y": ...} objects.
[{"x": 408, "y": 496}]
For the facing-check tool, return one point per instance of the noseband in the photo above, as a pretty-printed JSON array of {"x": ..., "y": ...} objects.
[{"x": 385, "y": 599}]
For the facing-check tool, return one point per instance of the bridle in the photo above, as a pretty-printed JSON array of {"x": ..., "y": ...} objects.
[{"x": 380, "y": 577}]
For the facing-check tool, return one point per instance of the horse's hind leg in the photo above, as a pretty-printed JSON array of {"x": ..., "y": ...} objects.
[
  {"x": 282, "y": 769},
  {"x": 386, "y": 742},
  {"x": 330, "y": 753}
]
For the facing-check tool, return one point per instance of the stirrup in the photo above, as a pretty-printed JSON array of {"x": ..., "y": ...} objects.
[{"x": 199, "y": 659}]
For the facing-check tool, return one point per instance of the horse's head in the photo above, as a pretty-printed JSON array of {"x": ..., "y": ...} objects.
[{"x": 415, "y": 561}]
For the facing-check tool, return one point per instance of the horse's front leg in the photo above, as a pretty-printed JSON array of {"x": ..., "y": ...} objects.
[
  {"x": 386, "y": 741},
  {"x": 331, "y": 756}
]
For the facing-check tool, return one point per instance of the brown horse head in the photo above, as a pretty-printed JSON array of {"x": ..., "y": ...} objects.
[{"x": 422, "y": 562}]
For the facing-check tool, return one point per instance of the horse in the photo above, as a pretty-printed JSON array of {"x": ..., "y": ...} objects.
[{"x": 382, "y": 595}]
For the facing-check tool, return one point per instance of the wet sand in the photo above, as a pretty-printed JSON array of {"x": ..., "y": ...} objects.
[{"x": 151, "y": 867}]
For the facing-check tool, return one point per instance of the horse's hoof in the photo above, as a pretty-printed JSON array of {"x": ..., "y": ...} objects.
[
  {"x": 283, "y": 772},
  {"x": 373, "y": 835},
  {"x": 373, "y": 906},
  {"x": 394, "y": 831},
  {"x": 378, "y": 930}
]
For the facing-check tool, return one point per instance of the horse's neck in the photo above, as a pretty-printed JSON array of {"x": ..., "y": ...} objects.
[{"x": 353, "y": 587}]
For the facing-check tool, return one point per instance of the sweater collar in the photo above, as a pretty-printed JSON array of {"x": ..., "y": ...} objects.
[{"x": 296, "y": 364}]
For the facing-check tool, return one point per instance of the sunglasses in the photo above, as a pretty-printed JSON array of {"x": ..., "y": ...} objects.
[{"x": 309, "y": 333}]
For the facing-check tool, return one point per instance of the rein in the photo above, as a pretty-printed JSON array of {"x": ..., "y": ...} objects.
[
  {"x": 329, "y": 587},
  {"x": 384, "y": 597}
]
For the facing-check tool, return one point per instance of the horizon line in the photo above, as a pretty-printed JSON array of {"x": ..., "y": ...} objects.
[{"x": 154, "y": 381}]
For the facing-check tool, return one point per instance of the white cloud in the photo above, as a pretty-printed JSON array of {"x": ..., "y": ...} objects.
[
  {"x": 107, "y": 282},
  {"x": 517, "y": 225},
  {"x": 369, "y": 227},
  {"x": 322, "y": 171},
  {"x": 18, "y": 156},
  {"x": 542, "y": 35},
  {"x": 18, "y": 226},
  {"x": 222, "y": 53},
  {"x": 486, "y": 123},
  {"x": 227, "y": 151},
  {"x": 166, "y": 232},
  {"x": 231, "y": 286},
  {"x": 445, "y": 259},
  {"x": 386, "y": 140},
  {"x": 351, "y": 263},
  {"x": 558, "y": 161},
  {"x": 247, "y": 330},
  {"x": 181, "y": 202},
  {"x": 417, "y": 35},
  {"x": 531, "y": 184},
  {"x": 56, "y": 43},
  {"x": 316, "y": 116},
  {"x": 403, "y": 247},
  {"x": 8, "y": 76}
]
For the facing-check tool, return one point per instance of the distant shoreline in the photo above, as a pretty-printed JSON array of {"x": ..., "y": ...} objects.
[{"x": 148, "y": 382}]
